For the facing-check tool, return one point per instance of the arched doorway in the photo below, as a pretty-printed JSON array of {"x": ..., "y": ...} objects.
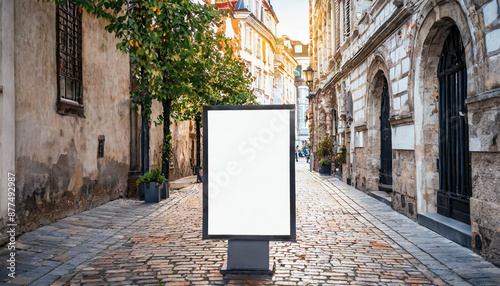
[
  {"x": 454, "y": 157},
  {"x": 385, "y": 182},
  {"x": 375, "y": 168}
]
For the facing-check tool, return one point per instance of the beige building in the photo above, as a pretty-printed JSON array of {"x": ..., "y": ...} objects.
[
  {"x": 300, "y": 53},
  {"x": 67, "y": 130},
  {"x": 284, "y": 77},
  {"x": 253, "y": 30},
  {"x": 411, "y": 88}
]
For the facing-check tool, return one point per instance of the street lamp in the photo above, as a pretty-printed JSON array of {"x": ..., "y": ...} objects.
[{"x": 309, "y": 72}]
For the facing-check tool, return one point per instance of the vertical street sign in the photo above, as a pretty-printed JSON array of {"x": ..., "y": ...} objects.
[{"x": 249, "y": 181}]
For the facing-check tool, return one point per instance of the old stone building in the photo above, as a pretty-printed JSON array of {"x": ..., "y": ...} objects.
[
  {"x": 411, "y": 88},
  {"x": 67, "y": 129}
]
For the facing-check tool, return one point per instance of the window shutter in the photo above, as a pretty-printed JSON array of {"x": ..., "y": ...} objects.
[
  {"x": 347, "y": 18},
  {"x": 337, "y": 25}
]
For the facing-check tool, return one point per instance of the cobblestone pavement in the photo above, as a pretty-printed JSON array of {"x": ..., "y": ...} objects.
[{"x": 344, "y": 237}]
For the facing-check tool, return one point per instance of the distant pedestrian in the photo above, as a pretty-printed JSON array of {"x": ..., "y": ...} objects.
[{"x": 296, "y": 153}]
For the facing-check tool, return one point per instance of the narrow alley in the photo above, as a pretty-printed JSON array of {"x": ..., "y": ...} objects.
[{"x": 344, "y": 237}]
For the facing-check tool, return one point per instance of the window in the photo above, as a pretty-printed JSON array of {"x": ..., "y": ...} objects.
[
  {"x": 247, "y": 37},
  {"x": 259, "y": 47},
  {"x": 337, "y": 25},
  {"x": 259, "y": 83},
  {"x": 299, "y": 71},
  {"x": 298, "y": 49},
  {"x": 347, "y": 23},
  {"x": 100, "y": 147},
  {"x": 257, "y": 10},
  {"x": 69, "y": 59},
  {"x": 269, "y": 55}
]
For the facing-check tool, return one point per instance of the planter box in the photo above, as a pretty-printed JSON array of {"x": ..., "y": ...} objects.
[
  {"x": 325, "y": 169},
  {"x": 165, "y": 190},
  {"x": 151, "y": 192}
]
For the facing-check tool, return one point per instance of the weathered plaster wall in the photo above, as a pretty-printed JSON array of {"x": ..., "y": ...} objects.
[
  {"x": 58, "y": 172},
  {"x": 7, "y": 106},
  {"x": 156, "y": 136},
  {"x": 182, "y": 138},
  {"x": 181, "y": 145}
]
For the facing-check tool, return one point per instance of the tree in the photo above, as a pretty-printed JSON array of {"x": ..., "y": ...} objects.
[
  {"x": 173, "y": 47},
  {"x": 224, "y": 81}
]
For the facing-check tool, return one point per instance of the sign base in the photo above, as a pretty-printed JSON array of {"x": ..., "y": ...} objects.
[{"x": 247, "y": 258}]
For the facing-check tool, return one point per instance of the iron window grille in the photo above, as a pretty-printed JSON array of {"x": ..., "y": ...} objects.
[{"x": 69, "y": 56}]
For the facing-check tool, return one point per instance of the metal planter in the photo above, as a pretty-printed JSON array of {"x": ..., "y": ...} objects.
[
  {"x": 325, "y": 169},
  {"x": 165, "y": 190},
  {"x": 151, "y": 192}
]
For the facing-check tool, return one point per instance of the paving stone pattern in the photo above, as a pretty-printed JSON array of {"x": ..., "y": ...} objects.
[{"x": 344, "y": 237}]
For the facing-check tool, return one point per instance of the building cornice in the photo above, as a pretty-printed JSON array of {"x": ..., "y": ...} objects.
[
  {"x": 379, "y": 36},
  {"x": 257, "y": 25}
]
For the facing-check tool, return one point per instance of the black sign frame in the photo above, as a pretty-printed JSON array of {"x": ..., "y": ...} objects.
[{"x": 206, "y": 166}]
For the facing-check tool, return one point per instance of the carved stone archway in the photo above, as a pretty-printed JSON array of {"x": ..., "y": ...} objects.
[
  {"x": 368, "y": 158},
  {"x": 433, "y": 30}
]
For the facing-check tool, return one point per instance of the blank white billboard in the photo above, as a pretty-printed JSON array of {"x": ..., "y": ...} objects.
[{"x": 249, "y": 172}]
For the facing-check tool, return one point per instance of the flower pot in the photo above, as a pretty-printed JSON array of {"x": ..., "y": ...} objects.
[
  {"x": 325, "y": 169},
  {"x": 165, "y": 190},
  {"x": 151, "y": 193}
]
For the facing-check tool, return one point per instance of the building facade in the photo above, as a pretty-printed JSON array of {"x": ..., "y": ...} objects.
[
  {"x": 411, "y": 88},
  {"x": 68, "y": 132},
  {"x": 252, "y": 26},
  {"x": 300, "y": 53},
  {"x": 284, "y": 76}
]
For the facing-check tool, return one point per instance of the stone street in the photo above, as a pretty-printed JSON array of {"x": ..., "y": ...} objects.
[{"x": 344, "y": 237}]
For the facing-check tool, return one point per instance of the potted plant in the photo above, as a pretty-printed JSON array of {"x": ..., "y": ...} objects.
[
  {"x": 325, "y": 153},
  {"x": 338, "y": 160},
  {"x": 152, "y": 182},
  {"x": 340, "y": 157},
  {"x": 325, "y": 166}
]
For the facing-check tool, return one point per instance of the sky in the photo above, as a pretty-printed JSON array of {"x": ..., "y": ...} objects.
[{"x": 293, "y": 16}]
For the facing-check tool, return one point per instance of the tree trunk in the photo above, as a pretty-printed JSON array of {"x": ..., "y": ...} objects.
[
  {"x": 198, "y": 146},
  {"x": 167, "y": 139}
]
